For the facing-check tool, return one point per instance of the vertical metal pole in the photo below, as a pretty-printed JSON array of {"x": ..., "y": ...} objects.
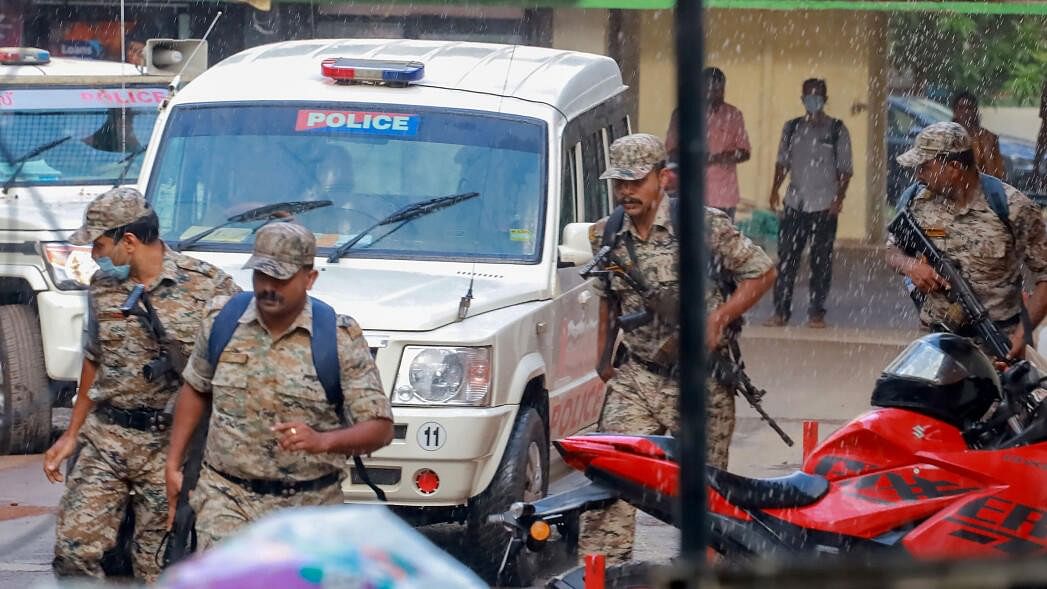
[{"x": 690, "y": 39}]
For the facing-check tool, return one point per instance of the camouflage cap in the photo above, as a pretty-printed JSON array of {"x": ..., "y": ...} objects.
[
  {"x": 281, "y": 249},
  {"x": 110, "y": 210},
  {"x": 634, "y": 156},
  {"x": 936, "y": 140}
]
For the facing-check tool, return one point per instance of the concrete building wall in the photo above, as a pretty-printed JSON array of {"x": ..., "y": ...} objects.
[
  {"x": 766, "y": 56},
  {"x": 578, "y": 29}
]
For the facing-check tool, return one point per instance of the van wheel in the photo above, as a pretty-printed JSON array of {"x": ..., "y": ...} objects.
[
  {"x": 523, "y": 475},
  {"x": 25, "y": 399}
]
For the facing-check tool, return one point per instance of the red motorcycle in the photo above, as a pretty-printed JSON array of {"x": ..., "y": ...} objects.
[{"x": 951, "y": 463}]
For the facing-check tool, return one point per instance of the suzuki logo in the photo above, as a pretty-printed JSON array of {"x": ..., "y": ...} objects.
[{"x": 920, "y": 431}]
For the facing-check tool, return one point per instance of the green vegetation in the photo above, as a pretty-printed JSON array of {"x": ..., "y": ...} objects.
[{"x": 1001, "y": 58}]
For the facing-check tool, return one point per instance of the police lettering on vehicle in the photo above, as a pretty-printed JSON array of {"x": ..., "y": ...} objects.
[{"x": 374, "y": 123}]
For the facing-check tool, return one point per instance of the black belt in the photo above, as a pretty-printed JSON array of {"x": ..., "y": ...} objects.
[
  {"x": 154, "y": 420},
  {"x": 278, "y": 487},
  {"x": 654, "y": 367}
]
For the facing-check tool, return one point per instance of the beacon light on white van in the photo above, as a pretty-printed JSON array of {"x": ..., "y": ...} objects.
[
  {"x": 23, "y": 56},
  {"x": 443, "y": 376},
  {"x": 341, "y": 69}
]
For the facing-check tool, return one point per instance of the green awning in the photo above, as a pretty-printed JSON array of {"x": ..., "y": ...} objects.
[{"x": 966, "y": 7}]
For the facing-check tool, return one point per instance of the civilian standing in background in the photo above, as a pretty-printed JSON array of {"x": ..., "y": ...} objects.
[
  {"x": 726, "y": 140},
  {"x": 815, "y": 152}
]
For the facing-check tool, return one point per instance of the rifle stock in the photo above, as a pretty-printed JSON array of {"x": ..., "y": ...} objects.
[{"x": 914, "y": 242}]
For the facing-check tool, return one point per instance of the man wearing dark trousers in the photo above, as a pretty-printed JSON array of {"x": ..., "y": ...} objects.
[{"x": 815, "y": 152}]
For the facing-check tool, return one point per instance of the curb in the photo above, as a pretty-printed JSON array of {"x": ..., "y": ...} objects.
[{"x": 845, "y": 335}]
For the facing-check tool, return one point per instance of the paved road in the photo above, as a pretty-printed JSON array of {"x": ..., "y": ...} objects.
[{"x": 825, "y": 375}]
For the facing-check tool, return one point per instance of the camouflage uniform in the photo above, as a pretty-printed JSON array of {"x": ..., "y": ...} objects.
[
  {"x": 261, "y": 381},
  {"x": 976, "y": 239},
  {"x": 120, "y": 465},
  {"x": 642, "y": 399}
]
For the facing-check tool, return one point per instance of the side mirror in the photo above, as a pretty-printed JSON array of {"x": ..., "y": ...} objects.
[
  {"x": 575, "y": 248},
  {"x": 167, "y": 57}
]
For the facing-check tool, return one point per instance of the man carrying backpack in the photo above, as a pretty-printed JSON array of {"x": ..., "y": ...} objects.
[
  {"x": 815, "y": 151},
  {"x": 293, "y": 390},
  {"x": 989, "y": 229}
]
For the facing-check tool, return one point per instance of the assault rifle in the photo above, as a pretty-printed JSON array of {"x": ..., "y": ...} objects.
[
  {"x": 911, "y": 239},
  {"x": 167, "y": 367},
  {"x": 729, "y": 369},
  {"x": 171, "y": 360},
  {"x": 603, "y": 265}
]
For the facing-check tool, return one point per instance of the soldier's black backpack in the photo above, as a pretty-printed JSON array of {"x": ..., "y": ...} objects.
[{"x": 325, "y": 360}]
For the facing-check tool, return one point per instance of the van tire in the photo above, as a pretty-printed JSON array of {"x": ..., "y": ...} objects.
[
  {"x": 488, "y": 541},
  {"x": 25, "y": 408}
]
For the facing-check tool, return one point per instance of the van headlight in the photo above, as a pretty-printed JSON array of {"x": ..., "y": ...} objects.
[
  {"x": 70, "y": 266},
  {"x": 443, "y": 376}
]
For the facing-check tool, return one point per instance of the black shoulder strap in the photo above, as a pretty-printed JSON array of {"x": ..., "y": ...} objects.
[
  {"x": 790, "y": 131},
  {"x": 837, "y": 130},
  {"x": 614, "y": 224}
]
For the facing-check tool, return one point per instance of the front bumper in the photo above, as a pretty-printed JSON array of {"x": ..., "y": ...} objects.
[
  {"x": 61, "y": 328},
  {"x": 473, "y": 438}
]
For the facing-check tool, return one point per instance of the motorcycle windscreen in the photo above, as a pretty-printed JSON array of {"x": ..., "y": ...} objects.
[{"x": 928, "y": 362}]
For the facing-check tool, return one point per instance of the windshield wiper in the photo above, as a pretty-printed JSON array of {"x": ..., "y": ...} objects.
[
  {"x": 28, "y": 156},
  {"x": 402, "y": 216},
  {"x": 267, "y": 212},
  {"x": 129, "y": 161}
]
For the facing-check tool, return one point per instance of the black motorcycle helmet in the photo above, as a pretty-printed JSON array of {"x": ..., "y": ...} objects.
[{"x": 943, "y": 376}]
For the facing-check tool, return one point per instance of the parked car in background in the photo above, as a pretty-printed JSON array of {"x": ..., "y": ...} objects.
[{"x": 908, "y": 115}]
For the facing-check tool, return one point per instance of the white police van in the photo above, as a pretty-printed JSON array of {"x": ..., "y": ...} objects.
[
  {"x": 482, "y": 329},
  {"x": 69, "y": 130}
]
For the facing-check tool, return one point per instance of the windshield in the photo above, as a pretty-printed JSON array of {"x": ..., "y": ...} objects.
[
  {"x": 105, "y": 127},
  {"x": 928, "y": 111},
  {"x": 370, "y": 161}
]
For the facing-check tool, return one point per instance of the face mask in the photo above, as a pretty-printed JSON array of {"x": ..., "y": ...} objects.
[
  {"x": 813, "y": 103},
  {"x": 106, "y": 266}
]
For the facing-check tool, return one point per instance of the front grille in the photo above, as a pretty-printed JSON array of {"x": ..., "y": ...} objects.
[
  {"x": 400, "y": 431},
  {"x": 374, "y": 352},
  {"x": 379, "y": 476}
]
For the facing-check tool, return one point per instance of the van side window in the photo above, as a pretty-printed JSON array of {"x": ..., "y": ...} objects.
[
  {"x": 569, "y": 192},
  {"x": 594, "y": 162},
  {"x": 619, "y": 128}
]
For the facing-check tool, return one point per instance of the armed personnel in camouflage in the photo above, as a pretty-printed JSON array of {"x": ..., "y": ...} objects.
[
  {"x": 954, "y": 210},
  {"x": 643, "y": 395},
  {"x": 125, "y": 417},
  {"x": 275, "y": 440}
]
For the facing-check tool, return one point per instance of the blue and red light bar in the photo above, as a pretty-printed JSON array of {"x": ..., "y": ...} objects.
[
  {"x": 23, "y": 56},
  {"x": 343, "y": 69}
]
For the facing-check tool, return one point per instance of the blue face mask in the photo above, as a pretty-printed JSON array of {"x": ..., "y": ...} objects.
[
  {"x": 813, "y": 103},
  {"x": 106, "y": 266}
]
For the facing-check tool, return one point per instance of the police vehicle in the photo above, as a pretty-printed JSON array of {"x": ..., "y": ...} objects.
[
  {"x": 70, "y": 129},
  {"x": 449, "y": 185}
]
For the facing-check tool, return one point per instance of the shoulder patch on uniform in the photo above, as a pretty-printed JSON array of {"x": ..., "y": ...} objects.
[
  {"x": 193, "y": 265},
  {"x": 351, "y": 325}
]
